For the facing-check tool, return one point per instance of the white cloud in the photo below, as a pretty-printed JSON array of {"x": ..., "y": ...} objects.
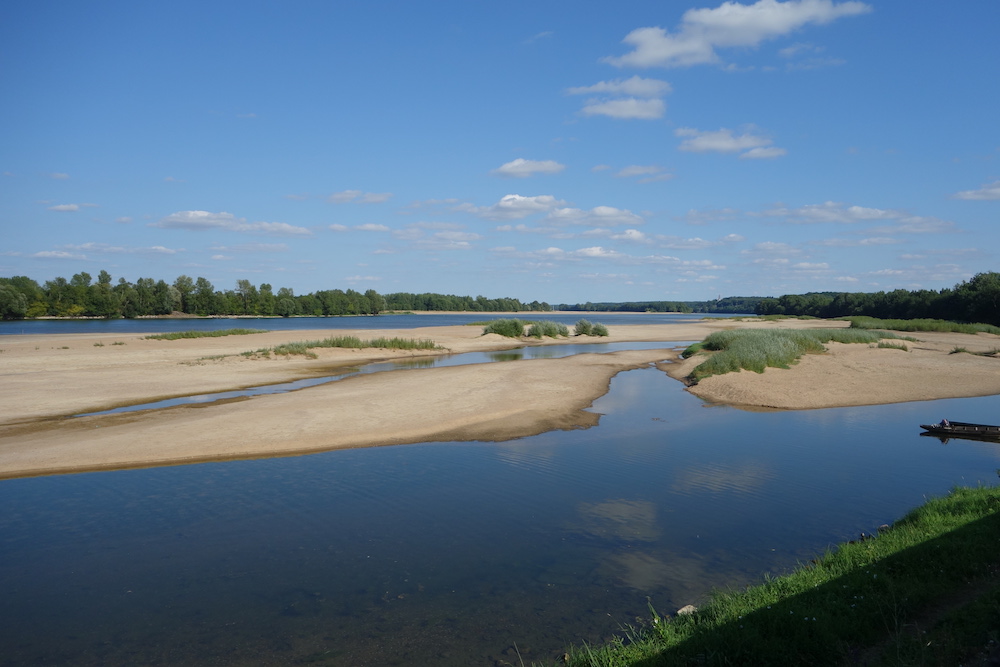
[
  {"x": 989, "y": 191},
  {"x": 729, "y": 25},
  {"x": 521, "y": 168},
  {"x": 65, "y": 207},
  {"x": 371, "y": 227},
  {"x": 513, "y": 207},
  {"x": 634, "y": 87},
  {"x": 632, "y": 236},
  {"x": 627, "y": 108},
  {"x": 204, "y": 220},
  {"x": 599, "y": 215},
  {"x": 58, "y": 176},
  {"x": 724, "y": 141}
]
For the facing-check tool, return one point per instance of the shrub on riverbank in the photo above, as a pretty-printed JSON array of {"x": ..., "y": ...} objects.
[
  {"x": 921, "y": 325},
  {"x": 756, "y": 349},
  {"x": 176, "y": 335},
  {"x": 854, "y": 604}
]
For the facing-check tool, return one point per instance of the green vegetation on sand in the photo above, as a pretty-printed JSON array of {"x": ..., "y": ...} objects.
[
  {"x": 756, "y": 349},
  {"x": 306, "y": 347},
  {"x": 176, "y": 335},
  {"x": 925, "y": 591}
]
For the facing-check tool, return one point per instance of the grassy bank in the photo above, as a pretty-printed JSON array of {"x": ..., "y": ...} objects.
[
  {"x": 306, "y": 347},
  {"x": 757, "y": 349},
  {"x": 921, "y": 325},
  {"x": 176, "y": 335},
  {"x": 924, "y": 591}
]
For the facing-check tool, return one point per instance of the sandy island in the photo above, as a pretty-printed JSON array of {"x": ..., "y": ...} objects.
[{"x": 48, "y": 378}]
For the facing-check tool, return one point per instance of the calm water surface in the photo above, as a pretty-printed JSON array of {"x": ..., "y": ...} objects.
[
  {"x": 448, "y": 553},
  {"x": 112, "y": 327}
]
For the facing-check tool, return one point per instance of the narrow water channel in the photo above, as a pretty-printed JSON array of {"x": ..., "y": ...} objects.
[{"x": 426, "y": 361}]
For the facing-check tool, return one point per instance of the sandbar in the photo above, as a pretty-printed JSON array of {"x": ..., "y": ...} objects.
[{"x": 49, "y": 378}]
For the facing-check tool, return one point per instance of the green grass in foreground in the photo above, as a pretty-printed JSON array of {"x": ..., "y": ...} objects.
[
  {"x": 306, "y": 347},
  {"x": 925, "y": 591},
  {"x": 921, "y": 325},
  {"x": 757, "y": 349},
  {"x": 204, "y": 334}
]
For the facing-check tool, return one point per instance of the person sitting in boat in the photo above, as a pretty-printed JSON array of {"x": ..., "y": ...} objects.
[{"x": 945, "y": 423}]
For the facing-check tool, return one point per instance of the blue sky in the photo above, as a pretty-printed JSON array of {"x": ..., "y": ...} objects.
[{"x": 558, "y": 151}]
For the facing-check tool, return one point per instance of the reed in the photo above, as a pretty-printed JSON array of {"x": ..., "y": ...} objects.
[
  {"x": 176, "y": 335},
  {"x": 855, "y": 604}
]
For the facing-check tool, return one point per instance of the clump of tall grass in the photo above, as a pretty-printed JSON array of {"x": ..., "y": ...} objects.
[
  {"x": 860, "y": 595},
  {"x": 509, "y": 327},
  {"x": 921, "y": 325},
  {"x": 586, "y": 328},
  {"x": 175, "y": 335},
  {"x": 757, "y": 349},
  {"x": 892, "y": 346},
  {"x": 548, "y": 328},
  {"x": 305, "y": 347}
]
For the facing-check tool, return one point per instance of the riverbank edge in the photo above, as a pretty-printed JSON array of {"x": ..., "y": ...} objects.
[{"x": 925, "y": 590}]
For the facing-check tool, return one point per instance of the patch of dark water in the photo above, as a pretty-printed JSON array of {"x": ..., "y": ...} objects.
[
  {"x": 449, "y": 553},
  {"x": 429, "y": 361}
]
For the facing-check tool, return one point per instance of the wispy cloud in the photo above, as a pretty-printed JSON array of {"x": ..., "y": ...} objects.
[
  {"x": 989, "y": 191},
  {"x": 108, "y": 249},
  {"x": 598, "y": 216},
  {"x": 357, "y": 196},
  {"x": 627, "y": 108},
  {"x": 205, "y": 220},
  {"x": 752, "y": 146},
  {"x": 633, "y": 87},
  {"x": 521, "y": 168},
  {"x": 731, "y": 25}
]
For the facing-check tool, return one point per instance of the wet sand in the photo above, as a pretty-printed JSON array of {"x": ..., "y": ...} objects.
[{"x": 48, "y": 378}]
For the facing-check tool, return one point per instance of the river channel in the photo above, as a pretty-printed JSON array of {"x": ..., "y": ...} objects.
[{"x": 452, "y": 553}]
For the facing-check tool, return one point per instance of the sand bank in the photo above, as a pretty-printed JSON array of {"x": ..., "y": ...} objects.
[{"x": 47, "y": 378}]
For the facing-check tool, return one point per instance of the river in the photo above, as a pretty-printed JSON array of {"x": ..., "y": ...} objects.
[{"x": 452, "y": 553}]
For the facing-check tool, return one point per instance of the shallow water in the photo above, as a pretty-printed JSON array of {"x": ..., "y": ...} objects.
[{"x": 449, "y": 553}]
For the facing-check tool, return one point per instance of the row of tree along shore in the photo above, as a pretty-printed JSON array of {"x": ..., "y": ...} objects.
[
  {"x": 81, "y": 296},
  {"x": 974, "y": 300}
]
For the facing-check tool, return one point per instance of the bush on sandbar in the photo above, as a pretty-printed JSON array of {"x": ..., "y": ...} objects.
[
  {"x": 548, "y": 328},
  {"x": 511, "y": 328}
]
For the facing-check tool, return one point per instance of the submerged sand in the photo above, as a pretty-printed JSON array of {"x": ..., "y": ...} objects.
[{"x": 48, "y": 378}]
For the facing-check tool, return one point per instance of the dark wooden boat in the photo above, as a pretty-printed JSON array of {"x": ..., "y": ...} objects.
[{"x": 949, "y": 429}]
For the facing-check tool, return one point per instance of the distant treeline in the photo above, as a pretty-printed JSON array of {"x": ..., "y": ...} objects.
[
  {"x": 974, "y": 300},
  {"x": 22, "y": 297},
  {"x": 730, "y": 304}
]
